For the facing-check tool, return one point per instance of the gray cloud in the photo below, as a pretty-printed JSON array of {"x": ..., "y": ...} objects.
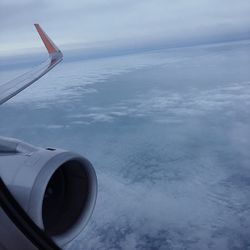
[{"x": 132, "y": 23}]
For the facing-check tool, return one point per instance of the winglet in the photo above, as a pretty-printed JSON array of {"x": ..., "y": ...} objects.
[{"x": 50, "y": 46}]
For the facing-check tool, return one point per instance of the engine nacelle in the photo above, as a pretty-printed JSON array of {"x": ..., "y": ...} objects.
[{"x": 56, "y": 188}]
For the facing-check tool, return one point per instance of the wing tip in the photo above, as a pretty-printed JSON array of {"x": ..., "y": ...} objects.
[{"x": 48, "y": 43}]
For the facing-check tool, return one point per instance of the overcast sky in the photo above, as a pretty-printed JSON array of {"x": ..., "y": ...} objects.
[{"x": 100, "y": 23}]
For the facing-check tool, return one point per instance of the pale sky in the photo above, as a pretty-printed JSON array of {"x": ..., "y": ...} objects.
[{"x": 119, "y": 23}]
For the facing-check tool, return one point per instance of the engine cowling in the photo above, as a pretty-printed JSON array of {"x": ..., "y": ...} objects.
[{"x": 56, "y": 188}]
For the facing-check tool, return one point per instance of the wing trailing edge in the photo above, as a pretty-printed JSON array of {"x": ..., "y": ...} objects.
[{"x": 13, "y": 87}]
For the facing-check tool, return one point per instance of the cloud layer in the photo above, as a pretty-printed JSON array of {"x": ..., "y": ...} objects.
[{"x": 168, "y": 133}]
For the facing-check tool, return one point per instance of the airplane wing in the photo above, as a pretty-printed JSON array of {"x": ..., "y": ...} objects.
[{"x": 13, "y": 87}]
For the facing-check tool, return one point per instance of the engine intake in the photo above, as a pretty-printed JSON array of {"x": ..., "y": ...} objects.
[{"x": 56, "y": 188}]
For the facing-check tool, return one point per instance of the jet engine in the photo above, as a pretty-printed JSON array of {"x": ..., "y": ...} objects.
[{"x": 55, "y": 188}]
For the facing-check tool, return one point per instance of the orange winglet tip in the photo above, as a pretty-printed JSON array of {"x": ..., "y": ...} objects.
[{"x": 50, "y": 46}]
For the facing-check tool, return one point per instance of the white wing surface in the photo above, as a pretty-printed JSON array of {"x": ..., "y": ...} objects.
[{"x": 13, "y": 87}]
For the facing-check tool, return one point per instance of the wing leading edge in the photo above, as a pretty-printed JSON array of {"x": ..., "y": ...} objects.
[{"x": 13, "y": 87}]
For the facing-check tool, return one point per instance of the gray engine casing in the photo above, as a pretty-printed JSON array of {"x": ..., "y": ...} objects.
[{"x": 56, "y": 188}]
